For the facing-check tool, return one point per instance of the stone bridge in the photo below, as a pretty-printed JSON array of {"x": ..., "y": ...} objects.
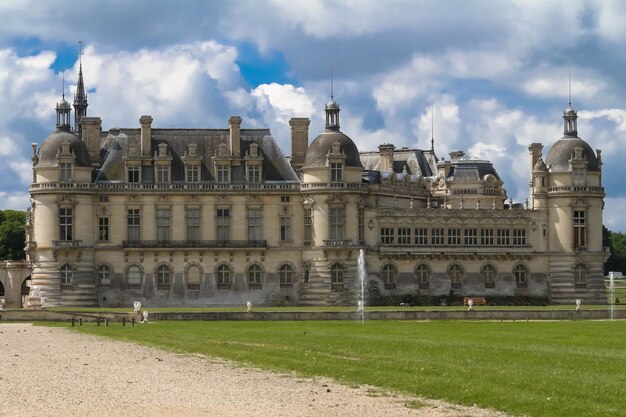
[{"x": 14, "y": 279}]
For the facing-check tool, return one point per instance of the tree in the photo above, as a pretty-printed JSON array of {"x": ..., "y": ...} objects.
[
  {"x": 12, "y": 234},
  {"x": 617, "y": 243}
]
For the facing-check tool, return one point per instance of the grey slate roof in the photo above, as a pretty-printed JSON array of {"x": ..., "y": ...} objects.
[
  {"x": 50, "y": 147},
  {"x": 318, "y": 149},
  {"x": 417, "y": 162},
  {"x": 561, "y": 152}
]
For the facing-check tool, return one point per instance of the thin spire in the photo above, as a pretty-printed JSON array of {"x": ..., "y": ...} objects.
[
  {"x": 80, "y": 53},
  {"x": 63, "y": 84},
  {"x": 80, "y": 97},
  {"x": 432, "y": 126},
  {"x": 332, "y": 86},
  {"x": 569, "y": 82}
]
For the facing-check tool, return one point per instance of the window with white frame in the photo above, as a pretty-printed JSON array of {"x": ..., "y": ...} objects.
[
  {"x": 580, "y": 276},
  {"x": 423, "y": 275},
  {"x": 308, "y": 226},
  {"x": 285, "y": 229},
  {"x": 502, "y": 237},
  {"x": 361, "y": 223},
  {"x": 336, "y": 278},
  {"x": 67, "y": 275},
  {"x": 223, "y": 277},
  {"x": 389, "y": 276},
  {"x": 421, "y": 236},
  {"x": 286, "y": 276},
  {"x": 519, "y": 237},
  {"x": 486, "y": 237},
  {"x": 133, "y": 224},
  {"x": 163, "y": 224},
  {"x": 488, "y": 272},
  {"x": 578, "y": 176},
  {"x": 404, "y": 235},
  {"x": 254, "y": 276},
  {"x": 336, "y": 223},
  {"x": 580, "y": 230},
  {"x": 454, "y": 236},
  {"x": 254, "y": 223},
  {"x": 193, "y": 223},
  {"x": 437, "y": 237},
  {"x": 133, "y": 173},
  {"x": 66, "y": 223},
  {"x": 387, "y": 235},
  {"x": 222, "y": 172},
  {"x": 254, "y": 172},
  {"x": 193, "y": 173},
  {"x": 471, "y": 237},
  {"x": 193, "y": 278},
  {"x": 162, "y": 174},
  {"x": 520, "y": 272},
  {"x": 104, "y": 275},
  {"x": 163, "y": 277},
  {"x": 65, "y": 171},
  {"x": 133, "y": 277},
  {"x": 336, "y": 172},
  {"x": 103, "y": 229},
  {"x": 223, "y": 224},
  {"x": 455, "y": 273}
]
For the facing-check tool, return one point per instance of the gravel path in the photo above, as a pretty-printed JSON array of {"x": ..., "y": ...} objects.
[{"x": 55, "y": 372}]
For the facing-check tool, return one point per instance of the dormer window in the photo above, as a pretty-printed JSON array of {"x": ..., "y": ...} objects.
[
  {"x": 222, "y": 172},
  {"x": 192, "y": 164},
  {"x": 162, "y": 174},
  {"x": 133, "y": 174},
  {"x": 65, "y": 171},
  {"x": 254, "y": 164},
  {"x": 336, "y": 172},
  {"x": 578, "y": 175},
  {"x": 162, "y": 165},
  {"x": 192, "y": 173}
]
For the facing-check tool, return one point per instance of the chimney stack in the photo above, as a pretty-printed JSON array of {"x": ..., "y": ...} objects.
[
  {"x": 91, "y": 128},
  {"x": 299, "y": 140},
  {"x": 235, "y": 134},
  {"x": 146, "y": 136},
  {"x": 386, "y": 157}
]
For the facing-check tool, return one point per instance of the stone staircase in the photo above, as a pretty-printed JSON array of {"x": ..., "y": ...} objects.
[
  {"x": 564, "y": 291},
  {"x": 318, "y": 292}
]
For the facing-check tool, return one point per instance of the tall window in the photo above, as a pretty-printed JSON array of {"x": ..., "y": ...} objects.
[
  {"x": 66, "y": 223},
  {"x": 162, "y": 174},
  {"x": 67, "y": 275},
  {"x": 133, "y": 173},
  {"x": 254, "y": 277},
  {"x": 254, "y": 173},
  {"x": 65, "y": 171},
  {"x": 579, "y": 176},
  {"x": 421, "y": 236},
  {"x": 103, "y": 229},
  {"x": 580, "y": 229},
  {"x": 104, "y": 276},
  {"x": 336, "y": 278},
  {"x": 223, "y": 277},
  {"x": 163, "y": 224},
  {"x": 193, "y": 173},
  {"x": 404, "y": 235},
  {"x": 456, "y": 276},
  {"x": 488, "y": 272},
  {"x": 336, "y": 223},
  {"x": 193, "y": 278},
  {"x": 502, "y": 237},
  {"x": 163, "y": 277},
  {"x": 193, "y": 224},
  {"x": 521, "y": 275},
  {"x": 254, "y": 223},
  {"x": 285, "y": 229},
  {"x": 519, "y": 237},
  {"x": 486, "y": 237},
  {"x": 361, "y": 224},
  {"x": 308, "y": 226},
  {"x": 423, "y": 275},
  {"x": 336, "y": 172},
  {"x": 133, "y": 225},
  {"x": 222, "y": 173},
  {"x": 389, "y": 276},
  {"x": 133, "y": 277},
  {"x": 471, "y": 237},
  {"x": 286, "y": 276},
  {"x": 580, "y": 276},
  {"x": 223, "y": 224},
  {"x": 437, "y": 236},
  {"x": 387, "y": 235},
  {"x": 454, "y": 236}
]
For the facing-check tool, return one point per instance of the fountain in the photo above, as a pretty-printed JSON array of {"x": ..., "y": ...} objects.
[
  {"x": 611, "y": 295},
  {"x": 362, "y": 276}
]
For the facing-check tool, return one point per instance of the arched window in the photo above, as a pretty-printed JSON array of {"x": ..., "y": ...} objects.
[
  {"x": 423, "y": 275},
  {"x": 580, "y": 276},
  {"x": 133, "y": 277},
  {"x": 67, "y": 277},
  {"x": 1, "y": 290},
  {"x": 455, "y": 272},
  {"x": 286, "y": 276},
  {"x": 163, "y": 277},
  {"x": 223, "y": 277},
  {"x": 193, "y": 278},
  {"x": 254, "y": 276},
  {"x": 336, "y": 278},
  {"x": 488, "y": 272},
  {"x": 104, "y": 276},
  {"x": 389, "y": 276},
  {"x": 521, "y": 275}
]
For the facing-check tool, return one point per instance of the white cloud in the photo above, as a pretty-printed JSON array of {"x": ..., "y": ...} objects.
[
  {"x": 23, "y": 169},
  {"x": 7, "y": 146},
  {"x": 14, "y": 201},
  {"x": 617, "y": 116},
  {"x": 614, "y": 218}
]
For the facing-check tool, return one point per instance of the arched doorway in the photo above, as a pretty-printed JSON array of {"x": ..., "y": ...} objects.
[{"x": 25, "y": 291}]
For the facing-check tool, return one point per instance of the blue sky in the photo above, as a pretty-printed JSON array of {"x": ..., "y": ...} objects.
[{"x": 495, "y": 73}]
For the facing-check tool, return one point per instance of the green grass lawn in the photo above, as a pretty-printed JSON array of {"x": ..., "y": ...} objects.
[{"x": 543, "y": 369}]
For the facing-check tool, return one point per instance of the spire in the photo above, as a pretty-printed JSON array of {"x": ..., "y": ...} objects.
[
  {"x": 432, "y": 127},
  {"x": 570, "y": 125},
  {"x": 80, "y": 98},
  {"x": 332, "y": 108},
  {"x": 63, "y": 110}
]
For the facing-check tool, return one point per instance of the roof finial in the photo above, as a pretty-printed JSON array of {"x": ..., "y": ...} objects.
[
  {"x": 569, "y": 82},
  {"x": 432, "y": 126},
  {"x": 63, "y": 85},
  {"x": 332, "y": 86}
]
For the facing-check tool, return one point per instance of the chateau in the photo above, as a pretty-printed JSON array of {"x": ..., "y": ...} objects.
[{"x": 204, "y": 217}]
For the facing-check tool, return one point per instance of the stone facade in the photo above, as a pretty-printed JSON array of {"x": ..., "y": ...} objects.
[{"x": 199, "y": 217}]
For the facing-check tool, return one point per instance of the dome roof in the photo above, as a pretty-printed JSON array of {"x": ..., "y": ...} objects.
[
  {"x": 332, "y": 104},
  {"x": 562, "y": 151},
  {"x": 50, "y": 147},
  {"x": 63, "y": 104},
  {"x": 320, "y": 147}
]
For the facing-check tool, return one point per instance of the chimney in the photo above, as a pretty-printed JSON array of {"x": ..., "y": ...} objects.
[
  {"x": 235, "y": 129},
  {"x": 299, "y": 140},
  {"x": 535, "y": 153},
  {"x": 91, "y": 128},
  {"x": 386, "y": 157},
  {"x": 146, "y": 136}
]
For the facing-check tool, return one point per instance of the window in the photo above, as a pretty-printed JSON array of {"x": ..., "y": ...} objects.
[
  {"x": 579, "y": 177},
  {"x": 103, "y": 229},
  {"x": 336, "y": 223},
  {"x": 104, "y": 276},
  {"x": 423, "y": 275},
  {"x": 133, "y": 174},
  {"x": 520, "y": 272},
  {"x": 163, "y": 277},
  {"x": 437, "y": 236},
  {"x": 488, "y": 272},
  {"x": 286, "y": 276},
  {"x": 502, "y": 237},
  {"x": 133, "y": 225},
  {"x": 421, "y": 236},
  {"x": 454, "y": 236},
  {"x": 387, "y": 235},
  {"x": 223, "y": 277},
  {"x": 285, "y": 229},
  {"x": 486, "y": 237},
  {"x": 361, "y": 224},
  {"x": 162, "y": 174},
  {"x": 285, "y": 199},
  {"x": 254, "y": 277},
  {"x": 308, "y": 226},
  {"x": 254, "y": 173},
  {"x": 163, "y": 224},
  {"x": 193, "y": 173},
  {"x": 471, "y": 237},
  {"x": 519, "y": 237},
  {"x": 336, "y": 278},
  {"x": 254, "y": 224},
  {"x": 223, "y": 224},
  {"x": 67, "y": 276},
  {"x": 222, "y": 173},
  {"x": 65, "y": 171},
  {"x": 193, "y": 278},
  {"x": 404, "y": 236},
  {"x": 580, "y": 276},
  {"x": 456, "y": 276},
  {"x": 580, "y": 230},
  {"x": 389, "y": 276},
  {"x": 66, "y": 223},
  {"x": 336, "y": 172},
  {"x": 193, "y": 224},
  {"x": 133, "y": 277},
  {"x": 103, "y": 198}
]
